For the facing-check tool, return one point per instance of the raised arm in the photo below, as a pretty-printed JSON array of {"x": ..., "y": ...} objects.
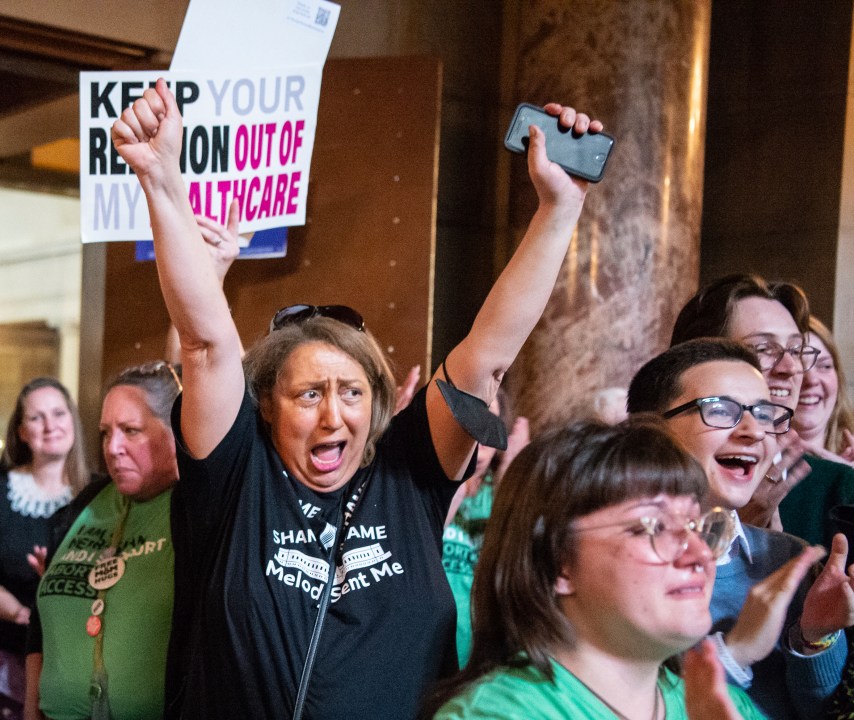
[
  {"x": 518, "y": 298},
  {"x": 148, "y": 138}
]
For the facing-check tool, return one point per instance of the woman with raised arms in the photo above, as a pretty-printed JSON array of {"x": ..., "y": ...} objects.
[{"x": 294, "y": 474}]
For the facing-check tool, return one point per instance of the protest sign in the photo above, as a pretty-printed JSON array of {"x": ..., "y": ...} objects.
[
  {"x": 254, "y": 34},
  {"x": 247, "y": 136}
]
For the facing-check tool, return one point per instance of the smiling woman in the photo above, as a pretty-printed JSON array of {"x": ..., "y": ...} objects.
[
  {"x": 44, "y": 466},
  {"x": 825, "y": 418}
]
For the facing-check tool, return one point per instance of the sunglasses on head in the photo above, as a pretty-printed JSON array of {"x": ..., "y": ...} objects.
[
  {"x": 294, "y": 314},
  {"x": 158, "y": 367}
]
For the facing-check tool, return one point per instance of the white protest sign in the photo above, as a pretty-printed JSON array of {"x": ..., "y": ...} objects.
[
  {"x": 255, "y": 34},
  {"x": 247, "y": 135}
]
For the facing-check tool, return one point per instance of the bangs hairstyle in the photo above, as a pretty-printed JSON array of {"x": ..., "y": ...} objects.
[
  {"x": 708, "y": 313},
  {"x": 559, "y": 477},
  {"x": 842, "y": 415},
  {"x": 264, "y": 362},
  {"x": 18, "y": 453}
]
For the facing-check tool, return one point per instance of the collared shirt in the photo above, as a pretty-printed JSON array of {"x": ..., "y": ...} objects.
[{"x": 739, "y": 541}]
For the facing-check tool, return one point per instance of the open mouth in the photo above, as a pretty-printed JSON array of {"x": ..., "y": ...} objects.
[
  {"x": 809, "y": 400},
  {"x": 780, "y": 392},
  {"x": 740, "y": 464},
  {"x": 327, "y": 457}
]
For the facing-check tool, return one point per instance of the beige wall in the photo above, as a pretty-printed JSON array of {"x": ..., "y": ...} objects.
[{"x": 40, "y": 268}]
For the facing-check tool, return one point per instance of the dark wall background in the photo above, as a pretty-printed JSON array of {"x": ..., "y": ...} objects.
[
  {"x": 778, "y": 74},
  {"x": 469, "y": 40}
]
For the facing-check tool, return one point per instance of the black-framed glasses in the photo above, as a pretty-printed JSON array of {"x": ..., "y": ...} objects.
[
  {"x": 724, "y": 412},
  {"x": 300, "y": 313},
  {"x": 669, "y": 534},
  {"x": 770, "y": 354},
  {"x": 153, "y": 368}
]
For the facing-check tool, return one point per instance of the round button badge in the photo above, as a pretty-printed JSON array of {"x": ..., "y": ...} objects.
[
  {"x": 93, "y": 625},
  {"x": 106, "y": 573}
]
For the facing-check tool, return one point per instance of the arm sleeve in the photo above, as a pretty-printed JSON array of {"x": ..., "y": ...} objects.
[
  {"x": 208, "y": 485},
  {"x": 813, "y": 679},
  {"x": 408, "y": 438}
]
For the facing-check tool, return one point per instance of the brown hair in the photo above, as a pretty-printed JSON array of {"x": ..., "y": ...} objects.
[
  {"x": 842, "y": 416},
  {"x": 264, "y": 362},
  {"x": 708, "y": 313},
  {"x": 18, "y": 453},
  {"x": 559, "y": 477}
]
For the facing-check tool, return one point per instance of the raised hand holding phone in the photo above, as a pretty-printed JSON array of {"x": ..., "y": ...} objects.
[{"x": 581, "y": 154}]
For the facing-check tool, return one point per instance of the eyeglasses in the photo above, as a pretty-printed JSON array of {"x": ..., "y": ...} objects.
[
  {"x": 723, "y": 412},
  {"x": 153, "y": 368},
  {"x": 669, "y": 534},
  {"x": 300, "y": 313},
  {"x": 770, "y": 354}
]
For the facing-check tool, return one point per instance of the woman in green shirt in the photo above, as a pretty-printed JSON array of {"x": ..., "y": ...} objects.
[
  {"x": 595, "y": 569},
  {"x": 104, "y": 605}
]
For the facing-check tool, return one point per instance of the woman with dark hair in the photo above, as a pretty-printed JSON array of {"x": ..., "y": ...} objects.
[
  {"x": 311, "y": 520},
  {"x": 104, "y": 605},
  {"x": 597, "y": 567},
  {"x": 44, "y": 466}
]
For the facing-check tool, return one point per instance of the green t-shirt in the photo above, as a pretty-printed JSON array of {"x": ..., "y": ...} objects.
[
  {"x": 461, "y": 545},
  {"x": 136, "y": 618},
  {"x": 526, "y": 694}
]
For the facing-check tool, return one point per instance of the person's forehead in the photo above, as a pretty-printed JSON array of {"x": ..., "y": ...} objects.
[
  {"x": 123, "y": 402},
  {"x": 635, "y": 507},
  {"x": 755, "y": 317},
  {"x": 723, "y": 377},
  {"x": 816, "y": 341},
  {"x": 314, "y": 358},
  {"x": 44, "y": 396}
]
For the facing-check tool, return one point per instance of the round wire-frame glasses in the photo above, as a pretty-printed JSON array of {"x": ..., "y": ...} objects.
[{"x": 669, "y": 535}]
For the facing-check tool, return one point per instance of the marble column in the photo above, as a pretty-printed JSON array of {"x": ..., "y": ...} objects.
[{"x": 641, "y": 67}]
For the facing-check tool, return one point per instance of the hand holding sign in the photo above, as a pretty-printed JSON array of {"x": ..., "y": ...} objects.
[{"x": 148, "y": 134}]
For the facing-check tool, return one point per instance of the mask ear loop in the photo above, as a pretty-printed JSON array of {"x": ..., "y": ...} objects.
[{"x": 473, "y": 414}]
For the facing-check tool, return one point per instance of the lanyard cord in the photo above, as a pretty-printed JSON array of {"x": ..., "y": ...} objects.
[
  {"x": 323, "y": 606},
  {"x": 98, "y": 684}
]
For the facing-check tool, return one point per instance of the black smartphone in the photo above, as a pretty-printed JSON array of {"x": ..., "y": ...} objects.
[{"x": 583, "y": 156}]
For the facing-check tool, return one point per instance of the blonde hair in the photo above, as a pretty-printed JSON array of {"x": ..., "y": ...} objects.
[{"x": 842, "y": 415}]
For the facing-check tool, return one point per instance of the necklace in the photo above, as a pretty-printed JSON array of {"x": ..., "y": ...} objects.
[{"x": 614, "y": 710}]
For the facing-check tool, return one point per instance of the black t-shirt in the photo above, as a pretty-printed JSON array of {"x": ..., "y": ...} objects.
[{"x": 251, "y": 565}]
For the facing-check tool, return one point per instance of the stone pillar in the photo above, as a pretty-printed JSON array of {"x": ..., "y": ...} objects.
[
  {"x": 640, "y": 67},
  {"x": 843, "y": 311}
]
